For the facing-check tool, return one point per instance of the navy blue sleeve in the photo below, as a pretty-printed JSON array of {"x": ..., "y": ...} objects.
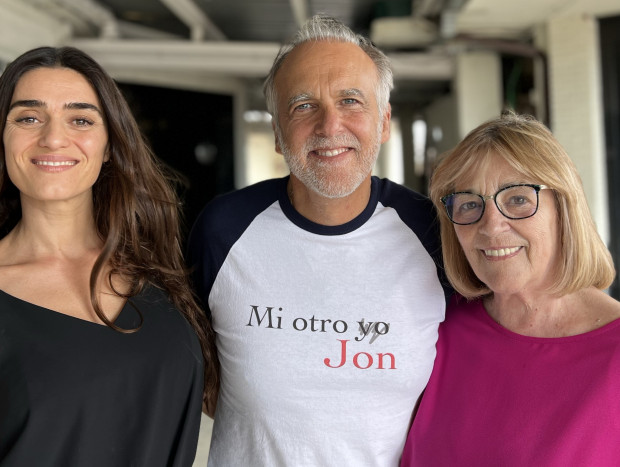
[
  {"x": 219, "y": 226},
  {"x": 418, "y": 213}
]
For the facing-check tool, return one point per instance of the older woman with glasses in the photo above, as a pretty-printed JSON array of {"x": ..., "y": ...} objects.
[{"x": 528, "y": 360}]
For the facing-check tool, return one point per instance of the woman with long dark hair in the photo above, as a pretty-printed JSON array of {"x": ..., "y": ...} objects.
[{"x": 105, "y": 356}]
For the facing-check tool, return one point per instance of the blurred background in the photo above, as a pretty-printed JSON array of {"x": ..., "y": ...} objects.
[{"x": 192, "y": 71}]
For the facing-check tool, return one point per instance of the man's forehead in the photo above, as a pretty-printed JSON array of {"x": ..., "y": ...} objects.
[
  {"x": 346, "y": 66},
  {"x": 325, "y": 52}
]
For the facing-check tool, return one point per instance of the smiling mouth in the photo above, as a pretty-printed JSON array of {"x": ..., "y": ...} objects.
[
  {"x": 330, "y": 152},
  {"x": 55, "y": 163},
  {"x": 502, "y": 252}
]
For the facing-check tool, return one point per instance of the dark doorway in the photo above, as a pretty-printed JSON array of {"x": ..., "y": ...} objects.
[
  {"x": 610, "y": 58},
  {"x": 192, "y": 132}
]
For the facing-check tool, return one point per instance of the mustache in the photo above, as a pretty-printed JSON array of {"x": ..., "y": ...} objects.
[{"x": 321, "y": 142}]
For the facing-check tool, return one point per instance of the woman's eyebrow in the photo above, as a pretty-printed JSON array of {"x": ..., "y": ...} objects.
[
  {"x": 83, "y": 106},
  {"x": 35, "y": 103},
  {"x": 31, "y": 103}
]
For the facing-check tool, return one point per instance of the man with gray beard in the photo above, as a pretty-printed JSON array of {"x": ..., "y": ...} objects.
[{"x": 323, "y": 287}]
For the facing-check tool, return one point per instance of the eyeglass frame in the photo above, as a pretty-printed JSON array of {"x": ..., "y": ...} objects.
[{"x": 484, "y": 198}]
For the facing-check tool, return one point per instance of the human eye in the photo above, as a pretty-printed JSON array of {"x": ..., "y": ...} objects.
[
  {"x": 467, "y": 203},
  {"x": 350, "y": 101},
  {"x": 518, "y": 196},
  {"x": 302, "y": 107},
  {"x": 27, "y": 120},
  {"x": 83, "y": 122},
  {"x": 517, "y": 200},
  {"x": 465, "y": 208}
]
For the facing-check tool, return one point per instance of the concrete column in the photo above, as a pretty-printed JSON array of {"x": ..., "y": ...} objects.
[
  {"x": 576, "y": 111},
  {"x": 406, "y": 126},
  {"x": 478, "y": 88}
]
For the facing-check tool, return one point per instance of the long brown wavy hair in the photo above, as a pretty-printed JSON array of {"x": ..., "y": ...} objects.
[{"x": 136, "y": 208}]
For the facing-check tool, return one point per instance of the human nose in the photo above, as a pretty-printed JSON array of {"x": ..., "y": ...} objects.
[
  {"x": 53, "y": 135},
  {"x": 492, "y": 220},
  {"x": 328, "y": 123}
]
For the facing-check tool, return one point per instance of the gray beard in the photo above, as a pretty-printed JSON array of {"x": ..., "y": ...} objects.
[{"x": 328, "y": 179}]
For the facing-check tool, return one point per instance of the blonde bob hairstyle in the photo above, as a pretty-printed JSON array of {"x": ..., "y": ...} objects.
[{"x": 529, "y": 147}]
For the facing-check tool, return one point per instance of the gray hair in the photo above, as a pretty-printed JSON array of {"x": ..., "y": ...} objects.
[{"x": 325, "y": 28}]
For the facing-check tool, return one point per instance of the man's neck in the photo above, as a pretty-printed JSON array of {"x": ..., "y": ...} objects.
[{"x": 328, "y": 211}]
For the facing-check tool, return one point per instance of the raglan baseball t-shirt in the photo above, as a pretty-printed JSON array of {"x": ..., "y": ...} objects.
[{"x": 326, "y": 335}]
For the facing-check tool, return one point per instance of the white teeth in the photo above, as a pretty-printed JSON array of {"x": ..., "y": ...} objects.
[
  {"x": 502, "y": 251},
  {"x": 334, "y": 152},
  {"x": 55, "y": 164}
]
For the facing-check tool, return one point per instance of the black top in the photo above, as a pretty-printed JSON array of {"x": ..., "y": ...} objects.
[{"x": 77, "y": 393}]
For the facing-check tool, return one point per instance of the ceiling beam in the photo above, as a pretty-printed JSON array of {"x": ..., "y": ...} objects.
[
  {"x": 23, "y": 27},
  {"x": 200, "y": 25},
  {"x": 87, "y": 18},
  {"x": 238, "y": 59},
  {"x": 92, "y": 12},
  {"x": 130, "y": 30},
  {"x": 300, "y": 11}
]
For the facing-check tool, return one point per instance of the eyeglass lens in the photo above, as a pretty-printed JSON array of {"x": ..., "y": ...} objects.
[{"x": 514, "y": 202}]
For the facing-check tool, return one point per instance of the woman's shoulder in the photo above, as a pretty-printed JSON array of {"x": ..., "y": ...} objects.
[
  {"x": 15, "y": 275},
  {"x": 602, "y": 308}
]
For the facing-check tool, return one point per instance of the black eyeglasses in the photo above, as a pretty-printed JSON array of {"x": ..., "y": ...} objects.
[{"x": 514, "y": 202}]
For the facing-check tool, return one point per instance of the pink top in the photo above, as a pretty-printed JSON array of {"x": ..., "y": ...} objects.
[{"x": 496, "y": 398}]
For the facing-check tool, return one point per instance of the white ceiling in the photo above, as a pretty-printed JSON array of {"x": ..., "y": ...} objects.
[{"x": 515, "y": 19}]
